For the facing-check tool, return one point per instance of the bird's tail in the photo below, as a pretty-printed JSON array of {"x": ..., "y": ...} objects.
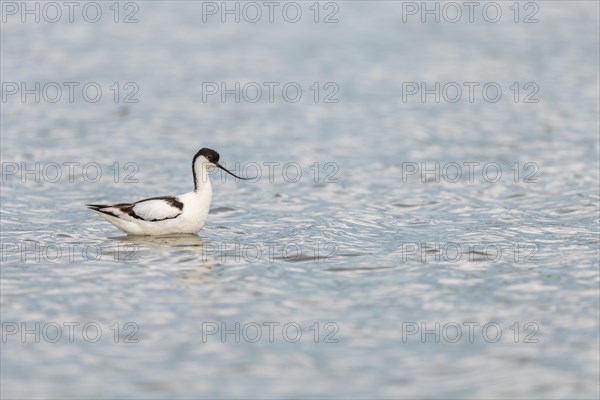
[{"x": 96, "y": 207}]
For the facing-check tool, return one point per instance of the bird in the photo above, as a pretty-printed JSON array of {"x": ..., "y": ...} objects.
[{"x": 166, "y": 215}]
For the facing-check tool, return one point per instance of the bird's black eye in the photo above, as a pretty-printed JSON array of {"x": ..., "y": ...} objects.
[{"x": 213, "y": 157}]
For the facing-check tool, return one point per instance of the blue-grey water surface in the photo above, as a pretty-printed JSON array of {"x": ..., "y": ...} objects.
[{"x": 377, "y": 264}]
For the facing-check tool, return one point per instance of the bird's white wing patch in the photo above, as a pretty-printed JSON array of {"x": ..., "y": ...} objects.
[{"x": 157, "y": 209}]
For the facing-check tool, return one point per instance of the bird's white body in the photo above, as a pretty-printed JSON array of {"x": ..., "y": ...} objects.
[
  {"x": 189, "y": 220},
  {"x": 185, "y": 213}
]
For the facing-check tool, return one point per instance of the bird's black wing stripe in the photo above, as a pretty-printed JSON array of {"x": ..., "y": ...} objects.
[
  {"x": 169, "y": 199},
  {"x": 127, "y": 208}
]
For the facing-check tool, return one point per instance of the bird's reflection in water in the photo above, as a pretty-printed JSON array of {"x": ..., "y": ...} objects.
[
  {"x": 185, "y": 240},
  {"x": 190, "y": 255}
]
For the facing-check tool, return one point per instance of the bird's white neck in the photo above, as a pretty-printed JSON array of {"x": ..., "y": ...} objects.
[{"x": 201, "y": 176}]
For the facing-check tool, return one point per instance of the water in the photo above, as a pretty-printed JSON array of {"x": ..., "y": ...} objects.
[{"x": 363, "y": 254}]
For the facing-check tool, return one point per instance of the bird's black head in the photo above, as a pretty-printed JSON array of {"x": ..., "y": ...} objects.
[
  {"x": 211, "y": 155},
  {"x": 213, "y": 158}
]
